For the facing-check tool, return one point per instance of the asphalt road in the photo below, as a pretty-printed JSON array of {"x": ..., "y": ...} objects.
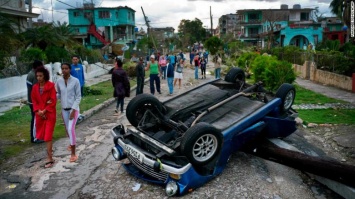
[{"x": 98, "y": 175}]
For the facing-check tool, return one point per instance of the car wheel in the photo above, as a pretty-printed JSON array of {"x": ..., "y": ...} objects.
[
  {"x": 287, "y": 94},
  {"x": 201, "y": 143},
  {"x": 139, "y": 105},
  {"x": 235, "y": 75}
]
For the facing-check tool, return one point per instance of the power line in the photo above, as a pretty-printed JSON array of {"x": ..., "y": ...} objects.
[{"x": 48, "y": 9}]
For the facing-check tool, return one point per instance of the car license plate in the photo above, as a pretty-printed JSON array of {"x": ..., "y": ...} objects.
[{"x": 134, "y": 153}]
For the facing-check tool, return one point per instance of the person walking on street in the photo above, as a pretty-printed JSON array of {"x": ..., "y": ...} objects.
[
  {"x": 30, "y": 82},
  {"x": 196, "y": 64},
  {"x": 77, "y": 71},
  {"x": 178, "y": 73},
  {"x": 170, "y": 77},
  {"x": 121, "y": 85},
  {"x": 69, "y": 94},
  {"x": 203, "y": 68},
  {"x": 153, "y": 68},
  {"x": 217, "y": 66},
  {"x": 140, "y": 76},
  {"x": 172, "y": 58},
  {"x": 162, "y": 65},
  {"x": 44, "y": 102}
]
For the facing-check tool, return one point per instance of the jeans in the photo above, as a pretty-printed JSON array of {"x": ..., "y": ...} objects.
[
  {"x": 196, "y": 72},
  {"x": 120, "y": 101},
  {"x": 152, "y": 78},
  {"x": 163, "y": 71},
  {"x": 140, "y": 85},
  {"x": 171, "y": 84},
  {"x": 217, "y": 73}
]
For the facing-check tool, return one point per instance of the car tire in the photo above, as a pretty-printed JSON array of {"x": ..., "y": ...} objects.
[
  {"x": 201, "y": 143},
  {"x": 139, "y": 104},
  {"x": 287, "y": 94},
  {"x": 235, "y": 75}
]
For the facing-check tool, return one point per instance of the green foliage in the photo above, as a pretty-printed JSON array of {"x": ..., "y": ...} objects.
[
  {"x": 27, "y": 56},
  {"x": 292, "y": 54},
  {"x": 91, "y": 91},
  {"x": 272, "y": 72},
  {"x": 277, "y": 73},
  {"x": 146, "y": 43},
  {"x": 213, "y": 44},
  {"x": 57, "y": 54},
  {"x": 191, "y": 31},
  {"x": 328, "y": 45},
  {"x": 246, "y": 59},
  {"x": 334, "y": 61},
  {"x": 130, "y": 68}
]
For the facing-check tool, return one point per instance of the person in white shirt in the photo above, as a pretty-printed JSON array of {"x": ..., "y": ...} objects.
[{"x": 69, "y": 94}]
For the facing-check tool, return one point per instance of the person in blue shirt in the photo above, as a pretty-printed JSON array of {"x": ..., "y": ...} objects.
[
  {"x": 172, "y": 59},
  {"x": 77, "y": 71}
]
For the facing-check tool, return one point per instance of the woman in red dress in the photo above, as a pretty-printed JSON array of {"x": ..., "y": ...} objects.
[{"x": 44, "y": 105}]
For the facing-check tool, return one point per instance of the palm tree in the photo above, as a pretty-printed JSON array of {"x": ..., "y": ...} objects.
[
  {"x": 341, "y": 8},
  {"x": 9, "y": 37}
]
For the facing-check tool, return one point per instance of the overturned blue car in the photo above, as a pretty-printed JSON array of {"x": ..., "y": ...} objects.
[{"x": 184, "y": 142}]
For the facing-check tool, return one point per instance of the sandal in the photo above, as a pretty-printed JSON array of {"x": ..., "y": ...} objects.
[
  {"x": 49, "y": 164},
  {"x": 73, "y": 158}
]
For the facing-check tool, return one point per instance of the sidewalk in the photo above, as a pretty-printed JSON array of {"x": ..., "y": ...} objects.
[{"x": 328, "y": 91}]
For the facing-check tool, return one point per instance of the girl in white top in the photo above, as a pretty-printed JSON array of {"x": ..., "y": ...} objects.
[
  {"x": 69, "y": 93},
  {"x": 178, "y": 73}
]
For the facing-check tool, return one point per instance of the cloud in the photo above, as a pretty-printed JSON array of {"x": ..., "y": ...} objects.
[{"x": 165, "y": 13}]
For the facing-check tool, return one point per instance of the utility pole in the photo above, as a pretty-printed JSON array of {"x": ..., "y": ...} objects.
[
  {"x": 30, "y": 11},
  {"x": 211, "y": 21},
  {"x": 148, "y": 28}
]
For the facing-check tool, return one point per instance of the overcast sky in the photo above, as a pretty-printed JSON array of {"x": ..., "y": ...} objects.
[{"x": 168, "y": 13}]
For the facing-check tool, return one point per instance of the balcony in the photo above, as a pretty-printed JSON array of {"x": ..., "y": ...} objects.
[{"x": 251, "y": 21}]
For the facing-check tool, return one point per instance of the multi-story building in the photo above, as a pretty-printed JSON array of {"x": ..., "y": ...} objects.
[
  {"x": 15, "y": 12},
  {"x": 97, "y": 27},
  {"x": 282, "y": 27},
  {"x": 334, "y": 29},
  {"x": 228, "y": 24},
  {"x": 160, "y": 34}
]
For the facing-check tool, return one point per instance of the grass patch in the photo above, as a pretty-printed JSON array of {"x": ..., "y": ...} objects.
[
  {"x": 305, "y": 96},
  {"x": 329, "y": 116},
  {"x": 15, "y": 123}
]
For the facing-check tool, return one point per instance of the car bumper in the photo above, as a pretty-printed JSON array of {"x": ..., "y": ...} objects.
[{"x": 141, "y": 158}]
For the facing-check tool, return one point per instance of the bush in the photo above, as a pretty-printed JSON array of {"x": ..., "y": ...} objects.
[
  {"x": 130, "y": 68},
  {"x": 89, "y": 91},
  {"x": 292, "y": 54},
  {"x": 277, "y": 73},
  {"x": 27, "y": 56},
  {"x": 272, "y": 72},
  {"x": 246, "y": 59}
]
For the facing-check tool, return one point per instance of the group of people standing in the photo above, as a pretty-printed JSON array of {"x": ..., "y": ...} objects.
[
  {"x": 43, "y": 95},
  {"x": 167, "y": 67}
]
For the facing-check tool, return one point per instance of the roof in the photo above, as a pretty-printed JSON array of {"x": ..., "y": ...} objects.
[
  {"x": 95, "y": 8},
  {"x": 18, "y": 13},
  {"x": 290, "y": 9}
]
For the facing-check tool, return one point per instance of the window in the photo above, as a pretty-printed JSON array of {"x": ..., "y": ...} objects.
[
  {"x": 129, "y": 15},
  {"x": 76, "y": 14},
  {"x": 116, "y": 15},
  {"x": 253, "y": 16},
  {"x": 104, "y": 14},
  {"x": 315, "y": 39},
  {"x": 253, "y": 31},
  {"x": 304, "y": 16}
]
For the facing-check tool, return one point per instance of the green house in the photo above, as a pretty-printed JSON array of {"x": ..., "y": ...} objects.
[{"x": 98, "y": 27}]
